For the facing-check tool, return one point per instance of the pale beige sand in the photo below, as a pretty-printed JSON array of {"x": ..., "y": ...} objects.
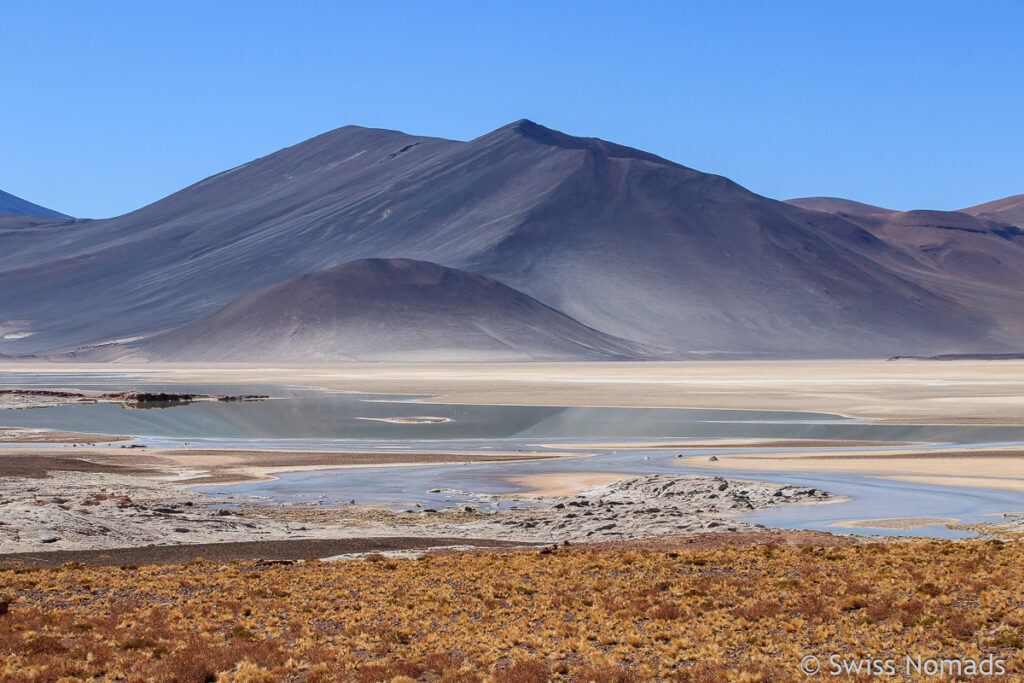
[
  {"x": 847, "y": 453},
  {"x": 908, "y": 392},
  {"x": 906, "y": 524},
  {"x": 27, "y": 435},
  {"x": 723, "y": 443},
  {"x": 1004, "y": 483},
  {"x": 562, "y": 484},
  {"x": 1001, "y": 467},
  {"x": 408, "y": 420}
]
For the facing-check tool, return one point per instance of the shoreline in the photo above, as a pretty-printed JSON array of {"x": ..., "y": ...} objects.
[
  {"x": 561, "y": 483},
  {"x": 151, "y": 483},
  {"x": 76, "y": 510},
  {"x": 229, "y": 466}
]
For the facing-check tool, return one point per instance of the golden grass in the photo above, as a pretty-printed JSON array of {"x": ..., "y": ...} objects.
[{"x": 732, "y": 614}]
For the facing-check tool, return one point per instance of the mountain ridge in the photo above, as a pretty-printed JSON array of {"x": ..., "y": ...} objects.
[{"x": 11, "y": 205}]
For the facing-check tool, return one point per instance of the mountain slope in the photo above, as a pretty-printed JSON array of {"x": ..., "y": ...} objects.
[
  {"x": 978, "y": 262},
  {"x": 618, "y": 239},
  {"x": 16, "y": 206},
  {"x": 382, "y": 309},
  {"x": 1008, "y": 210}
]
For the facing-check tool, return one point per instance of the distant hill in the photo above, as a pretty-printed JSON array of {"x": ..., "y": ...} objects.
[
  {"x": 837, "y": 205},
  {"x": 16, "y": 206},
  {"x": 1008, "y": 210},
  {"x": 383, "y": 309},
  {"x": 977, "y": 262},
  {"x": 618, "y": 240}
]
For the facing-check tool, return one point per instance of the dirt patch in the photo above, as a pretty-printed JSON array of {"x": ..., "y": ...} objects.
[
  {"x": 244, "y": 551},
  {"x": 38, "y": 465}
]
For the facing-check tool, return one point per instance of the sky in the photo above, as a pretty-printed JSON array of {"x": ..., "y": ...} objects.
[{"x": 110, "y": 105}]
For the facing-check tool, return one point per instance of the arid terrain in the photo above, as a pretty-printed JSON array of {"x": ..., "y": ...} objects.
[{"x": 664, "y": 611}]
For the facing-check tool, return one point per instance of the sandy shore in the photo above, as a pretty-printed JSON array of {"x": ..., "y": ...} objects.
[
  {"x": 902, "y": 523},
  {"x": 722, "y": 443},
  {"x": 906, "y": 392},
  {"x": 228, "y": 466},
  {"x": 562, "y": 484},
  {"x": 26, "y": 435},
  {"x": 1001, "y": 467}
]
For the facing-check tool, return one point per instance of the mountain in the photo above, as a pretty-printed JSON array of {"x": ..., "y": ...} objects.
[
  {"x": 1008, "y": 210},
  {"x": 977, "y": 262},
  {"x": 383, "y": 309},
  {"x": 617, "y": 239},
  {"x": 16, "y": 206}
]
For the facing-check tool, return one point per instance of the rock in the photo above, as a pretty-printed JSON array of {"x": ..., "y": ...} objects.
[
  {"x": 49, "y": 539},
  {"x": 713, "y": 458}
]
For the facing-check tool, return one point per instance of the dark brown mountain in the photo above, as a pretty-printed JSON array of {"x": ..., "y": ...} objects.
[{"x": 620, "y": 240}]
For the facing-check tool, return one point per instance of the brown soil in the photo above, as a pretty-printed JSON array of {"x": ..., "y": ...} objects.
[
  {"x": 317, "y": 548},
  {"x": 244, "y": 551},
  {"x": 36, "y": 465}
]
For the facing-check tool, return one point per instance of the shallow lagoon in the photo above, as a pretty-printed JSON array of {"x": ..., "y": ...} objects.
[{"x": 301, "y": 418}]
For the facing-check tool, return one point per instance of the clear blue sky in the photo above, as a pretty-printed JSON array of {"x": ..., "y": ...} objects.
[{"x": 108, "y": 106}]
